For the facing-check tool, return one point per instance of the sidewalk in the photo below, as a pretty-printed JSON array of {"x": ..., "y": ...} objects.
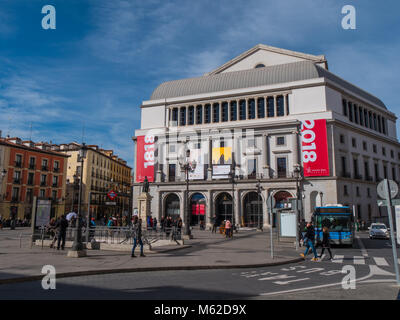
[{"x": 205, "y": 251}]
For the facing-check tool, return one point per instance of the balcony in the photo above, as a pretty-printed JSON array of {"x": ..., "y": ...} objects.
[
  {"x": 56, "y": 170},
  {"x": 369, "y": 178},
  {"x": 30, "y": 183},
  {"x": 345, "y": 175},
  {"x": 14, "y": 199},
  {"x": 55, "y": 185},
  {"x": 32, "y": 166},
  {"x": 18, "y": 164},
  {"x": 17, "y": 181},
  {"x": 45, "y": 168},
  {"x": 358, "y": 176},
  {"x": 42, "y": 183}
]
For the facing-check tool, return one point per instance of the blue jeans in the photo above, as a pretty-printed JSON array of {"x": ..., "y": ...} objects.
[
  {"x": 310, "y": 243},
  {"x": 135, "y": 242}
]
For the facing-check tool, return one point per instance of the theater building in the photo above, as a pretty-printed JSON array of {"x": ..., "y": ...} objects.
[{"x": 268, "y": 123}]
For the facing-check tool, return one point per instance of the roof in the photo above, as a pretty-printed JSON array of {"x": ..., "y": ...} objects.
[
  {"x": 289, "y": 72},
  {"x": 33, "y": 149}
]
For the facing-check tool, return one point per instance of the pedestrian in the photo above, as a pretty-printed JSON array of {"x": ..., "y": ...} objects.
[
  {"x": 162, "y": 224},
  {"x": 155, "y": 224},
  {"x": 137, "y": 234},
  {"x": 215, "y": 225},
  {"x": 309, "y": 240},
  {"x": 51, "y": 229},
  {"x": 325, "y": 242},
  {"x": 61, "y": 225},
  {"x": 228, "y": 226},
  {"x": 179, "y": 228}
]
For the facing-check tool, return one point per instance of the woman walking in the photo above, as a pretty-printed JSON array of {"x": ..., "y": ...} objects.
[{"x": 325, "y": 242}]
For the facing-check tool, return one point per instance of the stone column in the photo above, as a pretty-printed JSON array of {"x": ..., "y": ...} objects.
[
  {"x": 284, "y": 105},
  {"x": 238, "y": 214},
  {"x": 265, "y": 107},
  {"x": 247, "y": 109},
  {"x": 209, "y": 210},
  {"x": 266, "y": 166},
  {"x": 209, "y": 170},
  {"x": 275, "y": 106},
  {"x": 295, "y": 148}
]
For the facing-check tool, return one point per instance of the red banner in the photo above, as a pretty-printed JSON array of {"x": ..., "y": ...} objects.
[
  {"x": 145, "y": 158},
  {"x": 198, "y": 209},
  {"x": 314, "y": 151}
]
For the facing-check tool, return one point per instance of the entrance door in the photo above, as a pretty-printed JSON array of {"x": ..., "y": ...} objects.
[
  {"x": 223, "y": 208},
  {"x": 253, "y": 210}
]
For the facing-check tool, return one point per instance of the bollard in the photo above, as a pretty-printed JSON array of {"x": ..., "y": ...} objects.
[{"x": 20, "y": 240}]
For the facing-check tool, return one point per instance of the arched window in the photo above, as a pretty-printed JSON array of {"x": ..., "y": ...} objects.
[
  {"x": 260, "y": 108},
  {"x": 260, "y": 65}
]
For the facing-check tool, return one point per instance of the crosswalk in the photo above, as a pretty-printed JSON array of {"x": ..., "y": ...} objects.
[{"x": 359, "y": 260}]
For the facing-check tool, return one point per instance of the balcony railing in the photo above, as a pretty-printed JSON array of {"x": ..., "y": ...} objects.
[
  {"x": 43, "y": 183},
  {"x": 32, "y": 166},
  {"x": 17, "y": 181},
  {"x": 56, "y": 169},
  {"x": 14, "y": 199},
  {"x": 55, "y": 185},
  {"x": 345, "y": 175},
  {"x": 44, "y": 168},
  {"x": 18, "y": 164}
]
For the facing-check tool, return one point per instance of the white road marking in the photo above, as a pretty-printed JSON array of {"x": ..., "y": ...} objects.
[
  {"x": 290, "y": 281},
  {"x": 364, "y": 251},
  {"x": 338, "y": 259},
  {"x": 281, "y": 276},
  {"x": 323, "y": 256},
  {"x": 359, "y": 260},
  {"x": 381, "y": 261}
]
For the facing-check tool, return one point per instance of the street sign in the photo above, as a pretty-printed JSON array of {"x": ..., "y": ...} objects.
[
  {"x": 394, "y": 189},
  {"x": 111, "y": 203},
  {"x": 395, "y": 202},
  {"x": 111, "y": 195}
]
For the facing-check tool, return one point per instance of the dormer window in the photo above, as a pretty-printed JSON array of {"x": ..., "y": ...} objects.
[{"x": 260, "y": 65}]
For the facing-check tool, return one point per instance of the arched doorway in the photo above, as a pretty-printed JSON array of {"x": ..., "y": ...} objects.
[
  {"x": 198, "y": 209},
  {"x": 172, "y": 206},
  {"x": 223, "y": 207},
  {"x": 252, "y": 210}
]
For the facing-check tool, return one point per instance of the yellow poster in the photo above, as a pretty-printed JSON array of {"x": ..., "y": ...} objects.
[{"x": 222, "y": 155}]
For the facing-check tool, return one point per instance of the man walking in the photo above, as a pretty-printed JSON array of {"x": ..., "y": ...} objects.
[
  {"x": 309, "y": 240},
  {"x": 137, "y": 233},
  {"x": 61, "y": 225}
]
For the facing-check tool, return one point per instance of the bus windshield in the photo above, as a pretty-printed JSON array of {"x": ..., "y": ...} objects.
[{"x": 335, "y": 223}]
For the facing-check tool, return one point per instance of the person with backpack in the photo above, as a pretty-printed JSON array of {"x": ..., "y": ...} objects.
[
  {"x": 325, "y": 242},
  {"x": 309, "y": 241},
  {"x": 61, "y": 226}
]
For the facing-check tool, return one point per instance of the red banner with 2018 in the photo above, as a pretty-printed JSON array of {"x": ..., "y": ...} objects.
[
  {"x": 314, "y": 151},
  {"x": 145, "y": 158}
]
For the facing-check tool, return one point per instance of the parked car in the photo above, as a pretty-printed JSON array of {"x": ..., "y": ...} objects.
[{"x": 378, "y": 230}]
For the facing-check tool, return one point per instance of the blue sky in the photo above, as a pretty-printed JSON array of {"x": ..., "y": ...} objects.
[{"x": 106, "y": 57}]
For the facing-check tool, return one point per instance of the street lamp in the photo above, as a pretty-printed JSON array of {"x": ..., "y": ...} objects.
[
  {"x": 321, "y": 195},
  {"x": 77, "y": 246},
  {"x": 232, "y": 178},
  {"x": 297, "y": 175},
  {"x": 259, "y": 189},
  {"x": 188, "y": 166}
]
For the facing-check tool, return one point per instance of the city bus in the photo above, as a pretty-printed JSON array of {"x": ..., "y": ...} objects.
[{"x": 340, "y": 221}]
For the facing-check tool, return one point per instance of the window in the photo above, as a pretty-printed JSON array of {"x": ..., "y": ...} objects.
[
  {"x": 394, "y": 174},
  {"x": 225, "y": 111},
  {"x": 341, "y": 138},
  {"x": 287, "y": 104},
  {"x": 182, "y": 120},
  {"x": 29, "y": 195},
  {"x": 43, "y": 180},
  {"x": 384, "y": 125},
  {"x": 44, "y": 164},
  {"x": 350, "y": 105},
  {"x": 199, "y": 114},
  {"x": 365, "y": 146},
  {"x": 354, "y": 143},
  {"x": 384, "y": 151},
  {"x": 377, "y": 178},
  {"x": 32, "y": 163},
  {"x": 344, "y": 169},
  {"x": 55, "y": 181},
  {"x": 355, "y": 113},
  {"x": 242, "y": 110},
  {"x": 175, "y": 115},
  {"x": 56, "y": 166},
  {"x": 15, "y": 194},
  {"x": 371, "y": 125},
  {"x": 42, "y": 193},
  {"x": 18, "y": 161},
  {"x": 379, "y": 123},
  {"x": 280, "y": 106},
  {"x": 369, "y": 192},
  {"x": 54, "y": 194},
  {"x": 251, "y": 168},
  {"x": 233, "y": 111},
  {"x": 260, "y": 65},
  {"x": 344, "y": 105},
  {"x": 280, "y": 141},
  {"x": 30, "y": 178},
  {"x": 358, "y": 191},
  {"x": 385, "y": 172},
  {"x": 207, "y": 113},
  {"x": 172, "y": 148},
  {"x": 374, "y": 148},
  {"x": 392, "y": 154},
  {"x": 345, "y": 191},
  {"x": 216, "y": 112},
  {"x": 251, "y": 143},
  {"x": 191, "y": 115},
  {"x": 171, "y": 172},
  {"x": 355, "y": 167},
  {"x": 375, "y": 124},
  {"x": 17, "y": 176},
  {"x": 270, "y": 107},
  {"x": 361, "y": 115},
  {"x": 251, "y": 109},
  {"x": 366, "y": 118},
  {"x": 281, "y": 166},
  {"x": 260, "y": 108}
]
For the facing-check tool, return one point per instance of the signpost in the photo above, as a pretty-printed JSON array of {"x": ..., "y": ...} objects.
[
  {"x": 271, "y": 204},
  {"x": 387, "y": 189},
  {"x": 397, "y": 211}
]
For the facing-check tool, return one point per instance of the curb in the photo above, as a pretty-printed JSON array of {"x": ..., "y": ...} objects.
[{"x": 146, "y": 269}]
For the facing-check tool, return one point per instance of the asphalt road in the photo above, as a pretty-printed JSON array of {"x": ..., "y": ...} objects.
[{"x": 370, "y": 261}]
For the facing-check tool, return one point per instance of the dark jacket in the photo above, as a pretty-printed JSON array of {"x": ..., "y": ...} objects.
[
  {"x": 137, "y": 231},
  {"x": 62, "y": 225},
  {"x": 310, "y": 233},
  {"x": 325, "y": 239}
]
